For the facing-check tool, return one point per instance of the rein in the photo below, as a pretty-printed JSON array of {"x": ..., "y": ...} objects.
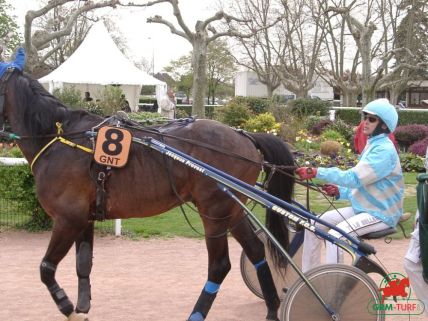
[{"x": 61, "y": 140}]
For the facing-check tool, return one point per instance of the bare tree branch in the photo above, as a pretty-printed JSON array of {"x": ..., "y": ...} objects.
[{"x": 159, "y": 19}]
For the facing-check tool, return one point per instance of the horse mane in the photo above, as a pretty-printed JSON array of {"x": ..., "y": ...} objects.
[{"x": 41, "y": 110}]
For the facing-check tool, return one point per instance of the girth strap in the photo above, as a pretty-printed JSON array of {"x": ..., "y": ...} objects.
[{"x": 103, "y": 174}]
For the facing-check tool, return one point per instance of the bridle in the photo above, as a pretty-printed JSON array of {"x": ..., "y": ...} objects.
[{"x": 3, "y": 82}]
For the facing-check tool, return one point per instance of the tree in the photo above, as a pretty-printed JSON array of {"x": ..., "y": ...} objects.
[
  {"x": 411, "y": 34},
  {"x": 339, "y": 61},
  {"x": 44, "y": 44},
  {"x": 299, "y": 44},
  {"x": 221, "y": 67},
  {"x": 258, "y": 54},
  {"x": 381, "y": 51},
  {"x": 9, "y": 36},
  {"x": 205, "y": 32}
]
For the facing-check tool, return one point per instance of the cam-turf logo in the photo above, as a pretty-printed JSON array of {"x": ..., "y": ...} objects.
[{"x": 394, "y": 297}]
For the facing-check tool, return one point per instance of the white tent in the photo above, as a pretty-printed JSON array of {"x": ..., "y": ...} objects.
[{"x": 99, "y": 62}]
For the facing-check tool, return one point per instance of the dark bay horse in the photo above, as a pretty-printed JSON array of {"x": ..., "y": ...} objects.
[{"x": 144, "y": 187}]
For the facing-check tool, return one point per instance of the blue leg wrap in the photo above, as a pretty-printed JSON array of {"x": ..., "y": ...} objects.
[
  {"x": 205, "y": 301},
  {"x": 211, "y": 287},
  {"x": 197, "y": 316},
  {"x": 259, "y": 264}
]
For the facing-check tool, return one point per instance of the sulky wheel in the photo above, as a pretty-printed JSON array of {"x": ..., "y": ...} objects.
[
  {"x": 348, "y": 291},
  {"x": 282, "y": 280}
]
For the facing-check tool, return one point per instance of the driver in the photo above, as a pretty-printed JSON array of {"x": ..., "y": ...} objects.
[{"x": 374, "y": 187}]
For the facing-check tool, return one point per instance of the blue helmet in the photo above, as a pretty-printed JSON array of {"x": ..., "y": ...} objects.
[{"x": 384, "y": 110}]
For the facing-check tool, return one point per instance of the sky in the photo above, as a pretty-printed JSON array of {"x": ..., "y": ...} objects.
[{"x": 152, "y": 41}]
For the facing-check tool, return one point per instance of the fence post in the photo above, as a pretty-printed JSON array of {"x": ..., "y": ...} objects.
[
  {"x": 332, "y": 114},
  {"x": 118, "y": 227}
]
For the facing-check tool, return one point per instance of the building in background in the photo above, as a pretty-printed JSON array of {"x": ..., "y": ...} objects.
[{"x": 247, "y": 84}]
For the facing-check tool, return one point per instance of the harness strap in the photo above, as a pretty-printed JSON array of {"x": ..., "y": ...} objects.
[{"x": 61, "y": 140}]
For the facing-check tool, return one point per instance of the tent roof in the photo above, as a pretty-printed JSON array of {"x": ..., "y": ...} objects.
[{"x": 99, "y": 61}]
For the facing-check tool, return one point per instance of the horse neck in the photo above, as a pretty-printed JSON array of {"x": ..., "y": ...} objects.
[{"x": 30, "y": 144}]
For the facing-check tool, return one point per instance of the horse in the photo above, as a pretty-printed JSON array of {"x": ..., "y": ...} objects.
[{"x": 149, "y": 184}]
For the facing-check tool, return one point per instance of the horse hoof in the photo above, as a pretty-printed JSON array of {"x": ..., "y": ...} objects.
[{"x": 77, "y": 317}]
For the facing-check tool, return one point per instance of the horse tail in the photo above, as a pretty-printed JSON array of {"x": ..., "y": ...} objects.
[{"x": 276, "y": 152}]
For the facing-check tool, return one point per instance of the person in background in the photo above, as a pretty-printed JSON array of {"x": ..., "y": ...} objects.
[
  {"x": 124, "y": 104},
  {"x": 374, "y": 187},
  {"x": 167, "y": 105},
  {"x": 87, "y": 96}
]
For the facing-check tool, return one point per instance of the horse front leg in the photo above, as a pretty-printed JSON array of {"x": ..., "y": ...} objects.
[
  {"x": 63, "y": 237},
  {"x": 255, "y": 251},
  {"x": 84, "y": 251}
]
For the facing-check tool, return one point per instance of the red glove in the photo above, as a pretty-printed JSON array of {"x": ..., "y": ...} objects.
[
  {"x": 306, "y": 172},
  {"x": 331, "y": 190}
]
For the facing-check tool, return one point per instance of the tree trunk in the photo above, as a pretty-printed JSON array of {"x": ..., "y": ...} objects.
[
  {"x": 270, "y": 90},
  {"x": 349, "y": 98},
  {"x": 199, "y": 64},
  {"x": 366, "y": 62},
  {"x": 302, "y": 92}
]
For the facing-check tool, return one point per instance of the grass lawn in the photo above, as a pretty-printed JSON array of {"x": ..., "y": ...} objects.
[{"x": 173, "y": 223}]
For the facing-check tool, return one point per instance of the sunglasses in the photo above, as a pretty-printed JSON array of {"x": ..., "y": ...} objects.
[{"x": 370, "y": 118}]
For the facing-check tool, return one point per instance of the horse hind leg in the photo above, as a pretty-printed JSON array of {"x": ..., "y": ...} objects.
[
  {"x": 84, "y": 250},
  {"x": 255, "y": 251}
]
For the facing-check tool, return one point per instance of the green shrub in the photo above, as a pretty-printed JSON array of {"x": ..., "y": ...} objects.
[
  {"x": 330, "y": 134},
  {"x": 343, "y": 128},
  {"x": 306, "y": 142},
  {"x": 412, "y": 163},
  {"x": 319, "y": 127},
  {"x": 262, "y": 123},
  {"x": 257, "y": 105},
  {"x": 186, "y": 111},
  {"x": 70, "y": 96},
  {"x": 93, "y": 108},
  {"x": 147, "y": 100},
  {"x": 287, "y": 133},
  {"x": 350, "y": 116},
  {"x": 233, "y": 114},
  {"x": 304, "y": 107},
  {"x": 17, "y": 183},
  {"x": 110, "y": 99},
  {"x": 282, "y": 114},
  {"x": 10, "y": 150},
  {"x": 344, "y": 161},
  {"x": 312, "y": 120},
  {"x": 145, "y": 117},
  {"x": 408, "y": 117}
]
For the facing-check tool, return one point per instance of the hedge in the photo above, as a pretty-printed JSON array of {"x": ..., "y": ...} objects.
[
  {"x": 408, "y": 117},
  {"x": 349, "y": 116},
  {"x": 17, "y": 183},
  {"x": 209, "y": 110},
  {"x": 405, "y": 117}
]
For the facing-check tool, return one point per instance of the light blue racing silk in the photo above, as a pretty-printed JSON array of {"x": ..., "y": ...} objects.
[{"x": 375, "y": 185}]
